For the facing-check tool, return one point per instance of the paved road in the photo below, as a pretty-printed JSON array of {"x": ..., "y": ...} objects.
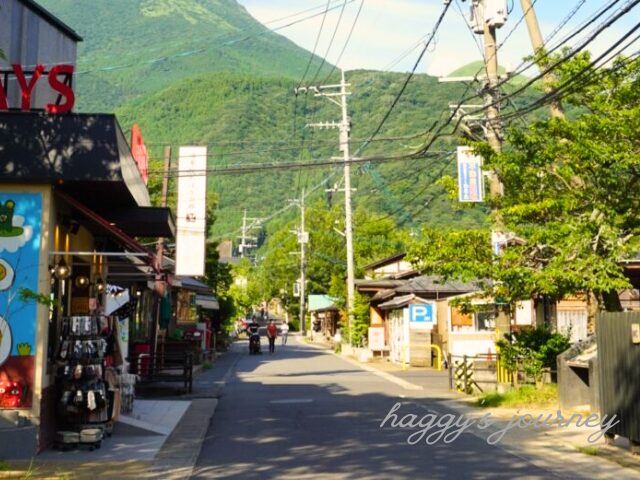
[{"x": 305, "y": 413}]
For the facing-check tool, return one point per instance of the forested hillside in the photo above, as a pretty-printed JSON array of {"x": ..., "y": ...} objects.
[
  {"x": 245, "y": 119},
  {"x": 135, "y": 47},
  {"x": 222, "y": 79}
]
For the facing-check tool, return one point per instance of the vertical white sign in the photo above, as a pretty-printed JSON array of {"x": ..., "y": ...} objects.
[{"x": 192, "y": 208}]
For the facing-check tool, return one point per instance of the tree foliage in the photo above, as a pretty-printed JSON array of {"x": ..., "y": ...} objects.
[
  {"x": 570, "y": 197},
  {"x": 533, "y": 350}
]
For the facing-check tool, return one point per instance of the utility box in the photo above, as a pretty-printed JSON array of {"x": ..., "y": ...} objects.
[
  {"x": 496, "y": 12},
  {"x": 493, "y": 12}
]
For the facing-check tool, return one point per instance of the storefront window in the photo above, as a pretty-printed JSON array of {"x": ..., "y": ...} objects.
[
  {"x": 187, "y": 311},
  {"x": 486, "y": 318}
]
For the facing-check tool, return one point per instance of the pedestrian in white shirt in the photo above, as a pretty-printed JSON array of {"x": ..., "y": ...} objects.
[{"x": 284, "y": 330}]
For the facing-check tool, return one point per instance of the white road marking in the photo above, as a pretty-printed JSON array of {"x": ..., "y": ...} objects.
[{"x": 293, "y": 400}]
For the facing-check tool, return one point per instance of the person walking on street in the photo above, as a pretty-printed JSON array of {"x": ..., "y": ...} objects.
[
  {"x": 284, "y": 331},
  {"x": 272, "y": 333}
]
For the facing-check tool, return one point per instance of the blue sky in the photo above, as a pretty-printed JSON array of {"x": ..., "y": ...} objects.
[{"x": 388, "y": 28}]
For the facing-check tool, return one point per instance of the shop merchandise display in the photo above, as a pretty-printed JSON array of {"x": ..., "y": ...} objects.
[{"x": 87, "y": 380}]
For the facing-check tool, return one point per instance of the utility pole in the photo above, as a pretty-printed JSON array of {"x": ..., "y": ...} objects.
[
  {"x": 494, "y": 124},
  {"x": 494, "y": 136},
  {"x": 538, "y": 45},
  {"x": 247, "y": 242},
  {"x": 344, "y": 146},
  {"x": 344, "y": 128},
  {"x": 303, "y": 239}
]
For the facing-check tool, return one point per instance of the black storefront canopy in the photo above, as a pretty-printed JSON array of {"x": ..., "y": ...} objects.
[{"x": 87, "y": 157}]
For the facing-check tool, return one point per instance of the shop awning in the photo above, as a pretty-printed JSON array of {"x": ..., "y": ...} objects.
[
  {"x": 143, "y": 265},
  {"x": 145, "y": 221},
  {"x": 208, "y": 302},
  {"x": 85, "y": 155},
  {"x": 189, "y": 283}
]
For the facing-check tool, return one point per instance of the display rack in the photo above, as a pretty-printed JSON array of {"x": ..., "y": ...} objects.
[{"x": 86, "y": 379}]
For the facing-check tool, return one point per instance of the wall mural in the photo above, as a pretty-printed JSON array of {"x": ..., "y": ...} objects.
[{"x": 20, "y": 236}]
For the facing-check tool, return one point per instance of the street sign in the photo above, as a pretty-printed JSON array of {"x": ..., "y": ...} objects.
[
  {"x": 499, "y": 241},
  {"x": 422, "y": 314},
  {"x": 192, "y": 211},
  {"x": 470, "y": 179}
]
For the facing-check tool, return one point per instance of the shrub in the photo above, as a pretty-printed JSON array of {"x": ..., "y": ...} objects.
[{"x": 536, "y": 349}]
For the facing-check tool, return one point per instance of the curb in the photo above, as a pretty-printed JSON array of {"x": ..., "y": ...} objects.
[{"x": 179, "y": 455}]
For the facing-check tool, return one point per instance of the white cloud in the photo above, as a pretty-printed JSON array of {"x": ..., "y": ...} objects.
[{"x": 12, "y": 244}]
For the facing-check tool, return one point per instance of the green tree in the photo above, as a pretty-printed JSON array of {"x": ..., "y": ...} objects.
[{"x": 570, "y": 198}]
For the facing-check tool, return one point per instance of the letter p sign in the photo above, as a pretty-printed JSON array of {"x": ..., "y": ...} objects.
[{"x": 422, "y": 314}]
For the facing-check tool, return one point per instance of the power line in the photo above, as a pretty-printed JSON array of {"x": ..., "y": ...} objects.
[
  {"x": 333, "y": 37},
  {"x": 410, "y": 76},
  {"x": 317, "y": 144},
  {"x": 621, "y": 12},
  {"x": 261, "y": 167},
  {"x": 346, "y": 43},
  {"x": 571, "y": 54},
  {"x": 315, "y": 46}
]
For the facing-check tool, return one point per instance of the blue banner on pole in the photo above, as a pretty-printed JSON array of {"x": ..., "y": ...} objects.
[{"x": 470, "y": 179}]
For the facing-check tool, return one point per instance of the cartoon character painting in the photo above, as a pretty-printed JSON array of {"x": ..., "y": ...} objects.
[{"x": 20, "y": 217}]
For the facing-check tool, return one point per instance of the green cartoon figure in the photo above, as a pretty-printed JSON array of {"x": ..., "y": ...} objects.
[{"x": 7, "y": 229}]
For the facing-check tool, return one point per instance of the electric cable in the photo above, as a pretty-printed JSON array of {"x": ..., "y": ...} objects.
[
  {"x": 346, "y": 43},
  {"x": 333, "y": 37},
  {"x": 315, "y": 46}
]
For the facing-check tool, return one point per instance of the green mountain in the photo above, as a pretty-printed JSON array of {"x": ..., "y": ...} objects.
[
  {"x": 237, "y": 97},
  {"x": 471, "y": 69},
  {"x": 250, "y": 120},
  {"x": 135, "y": 47}
]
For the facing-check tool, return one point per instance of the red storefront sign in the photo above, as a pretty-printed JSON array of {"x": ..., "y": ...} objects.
[{"x": 27, "y": 86}]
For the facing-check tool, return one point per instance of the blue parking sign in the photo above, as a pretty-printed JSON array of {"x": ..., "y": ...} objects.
[{"x": 421, "y": 313}]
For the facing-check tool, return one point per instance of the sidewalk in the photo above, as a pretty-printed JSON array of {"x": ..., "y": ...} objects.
[
  {"x": 162, "y": 438},
  {"x": 566, "y": 450}
]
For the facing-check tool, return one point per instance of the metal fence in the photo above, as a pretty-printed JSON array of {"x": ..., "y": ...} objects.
[{"x": 618, "y": 338}]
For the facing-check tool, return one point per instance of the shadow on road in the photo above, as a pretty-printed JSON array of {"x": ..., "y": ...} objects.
[{"x": 277, "y": 419}]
